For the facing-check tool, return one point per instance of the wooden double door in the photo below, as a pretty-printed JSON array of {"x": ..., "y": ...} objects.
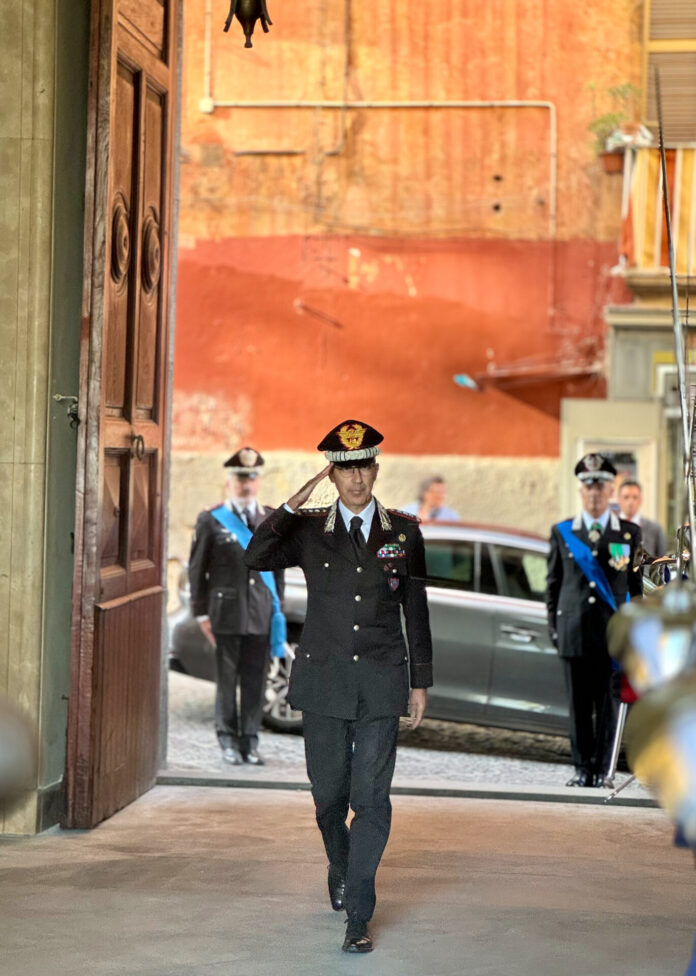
[{"x": 119, "y": 596}]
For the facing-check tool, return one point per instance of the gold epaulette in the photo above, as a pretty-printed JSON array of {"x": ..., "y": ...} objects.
[{"x": 406, "y": 515}]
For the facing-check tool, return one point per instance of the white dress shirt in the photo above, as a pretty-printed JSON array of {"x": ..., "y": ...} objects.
[
  {"x": 240, "y": 508},
  {"x": 589, "y": 520},
  {"x": 635, "y": 518},
  {"x": 366, "y": 515}
]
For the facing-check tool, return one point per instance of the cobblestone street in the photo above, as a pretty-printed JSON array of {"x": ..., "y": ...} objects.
[{"x": 445, "y": 752}]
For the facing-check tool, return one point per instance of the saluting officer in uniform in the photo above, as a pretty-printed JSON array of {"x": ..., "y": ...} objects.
[
  {"x": 237, "y": 609},
  {"x": 590, "y": 573},
  {"x": 363, "y": 564}
]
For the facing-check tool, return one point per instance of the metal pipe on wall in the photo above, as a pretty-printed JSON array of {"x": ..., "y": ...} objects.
[
  {"x": 420, "y": 104},
  {"x": 208, "y": 104},
  {"x": 687, "y": 409}
]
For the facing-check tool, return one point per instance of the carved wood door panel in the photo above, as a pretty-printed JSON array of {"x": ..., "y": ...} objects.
[{"x": 113, "y": 715}]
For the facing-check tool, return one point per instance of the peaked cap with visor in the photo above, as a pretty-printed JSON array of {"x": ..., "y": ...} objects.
[
  {"x": 351, "y": 443},
  {"x": 595, "y": 467},
  {"x": 246, "y": 461}
]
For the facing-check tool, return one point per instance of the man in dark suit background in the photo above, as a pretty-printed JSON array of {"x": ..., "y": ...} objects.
[
  {"x": 236, "y": 607},
  {"x": 630, "y": 501},
  {"x": 363, "y": 565},
  {"x": 590, "y": 573}
]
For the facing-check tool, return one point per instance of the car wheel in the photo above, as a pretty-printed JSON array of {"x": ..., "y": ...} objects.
[{"x": 277, "y": 713}]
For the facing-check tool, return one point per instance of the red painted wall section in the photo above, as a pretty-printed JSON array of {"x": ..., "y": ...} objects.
[{"x": 278, "y": 338}]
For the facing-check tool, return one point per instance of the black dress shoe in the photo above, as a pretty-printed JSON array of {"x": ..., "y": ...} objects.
[
  {"x": 357, "y": 937},
  {"x": 232, "y": 755},
  {"x": 581, "y": 778},
  {"x": 337, "y": 888},
  {"x": 253, "y": 758},
  {"x": 604, "y": 782}
]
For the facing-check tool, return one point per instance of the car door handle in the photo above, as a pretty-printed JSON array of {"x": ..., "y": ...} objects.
[{"x": 517, "y": 634}]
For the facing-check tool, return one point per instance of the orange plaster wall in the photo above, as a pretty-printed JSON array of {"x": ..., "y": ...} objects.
[
  {"x": 280, "y": 338},
  {"x": 476, "y": 171},
  {"x": 333, "y": 264}
]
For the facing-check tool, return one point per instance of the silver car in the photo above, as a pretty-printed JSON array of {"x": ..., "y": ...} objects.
[{"x": 493, "y": 660}]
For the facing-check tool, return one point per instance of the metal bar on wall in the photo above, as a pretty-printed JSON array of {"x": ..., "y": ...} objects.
[{"x": 679, "y": 351}]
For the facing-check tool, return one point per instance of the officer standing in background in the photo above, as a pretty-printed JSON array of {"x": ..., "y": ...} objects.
[
  {"x": 590, "y": 573},
  {"x": 238, "y": 610},
  {"x": 363, "y": 564}
]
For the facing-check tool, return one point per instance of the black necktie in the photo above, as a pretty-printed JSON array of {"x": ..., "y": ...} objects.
[
  {"x": 249, "y": 516},
  {"x": 356, "y": 536}
]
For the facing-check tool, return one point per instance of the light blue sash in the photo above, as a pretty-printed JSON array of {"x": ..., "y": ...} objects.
[
  {"x": 587, "y": 562},
  {"x": 233, "y": 523}
]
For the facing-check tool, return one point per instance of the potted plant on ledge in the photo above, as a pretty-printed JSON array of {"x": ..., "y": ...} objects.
[{"x": 614, "y": 130}]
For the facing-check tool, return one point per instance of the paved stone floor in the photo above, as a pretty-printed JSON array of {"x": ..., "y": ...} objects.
[
  {"x": 444, "y": 753},
  {"x": 224, "y": 882}
]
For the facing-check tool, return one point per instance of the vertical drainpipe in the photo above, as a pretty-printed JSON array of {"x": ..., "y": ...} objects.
[{"x": 207, "y": 104}]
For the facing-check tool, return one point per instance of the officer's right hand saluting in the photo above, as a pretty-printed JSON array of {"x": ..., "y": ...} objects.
[{"x": 300, "y": 497}]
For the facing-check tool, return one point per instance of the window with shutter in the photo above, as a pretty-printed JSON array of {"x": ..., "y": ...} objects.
[{"x": 670, "y": 47}]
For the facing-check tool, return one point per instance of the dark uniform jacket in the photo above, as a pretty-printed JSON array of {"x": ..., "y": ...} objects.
[
  {"x": 577, "y": 615},
  {"x": 222, "y": 586},
  {"x": 352, "y": 659}
]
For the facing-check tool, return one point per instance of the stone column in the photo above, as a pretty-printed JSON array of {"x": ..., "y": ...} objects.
[{"x": 26, "y": 205}]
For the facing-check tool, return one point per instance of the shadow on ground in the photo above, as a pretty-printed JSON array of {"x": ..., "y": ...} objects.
[{"x": 459, "y": 737}]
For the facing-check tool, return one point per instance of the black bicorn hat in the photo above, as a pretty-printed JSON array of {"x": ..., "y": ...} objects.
[
  {"x": 595, "y": 467},
  {"x": 246, "y": 461},
  {"x": 351, "y": 441}
]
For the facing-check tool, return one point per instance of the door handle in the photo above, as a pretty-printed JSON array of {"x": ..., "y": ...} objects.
[
  {"x": 72, "y": 407},
  {"x": 137, "y": 446},
  {"x": 518, "y": 634}
]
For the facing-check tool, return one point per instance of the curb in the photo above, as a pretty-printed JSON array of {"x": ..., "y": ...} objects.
[{"x": 575, "y": 796}]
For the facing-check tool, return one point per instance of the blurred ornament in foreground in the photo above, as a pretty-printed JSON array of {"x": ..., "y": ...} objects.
[
  {"x": 18, "y": 755},
  {"x": 654, "y": 639},
  {"x": 661, "y": 748}
]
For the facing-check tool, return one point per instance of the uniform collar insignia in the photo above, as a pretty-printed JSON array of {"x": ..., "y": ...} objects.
[
  {"x": 330, "y": 523},
  {"x": 384, "y": 519},
  {"x": 613, "y": 523}
]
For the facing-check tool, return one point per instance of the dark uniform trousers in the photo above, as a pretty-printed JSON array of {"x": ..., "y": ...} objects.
[
  {"x": 593, "y": 700},
  {"x": 351, "y": 763},
  {"x": 239, "y": 606},
  {"x": 242, "y": 661},
  {"x": 350, "y": 677}
]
